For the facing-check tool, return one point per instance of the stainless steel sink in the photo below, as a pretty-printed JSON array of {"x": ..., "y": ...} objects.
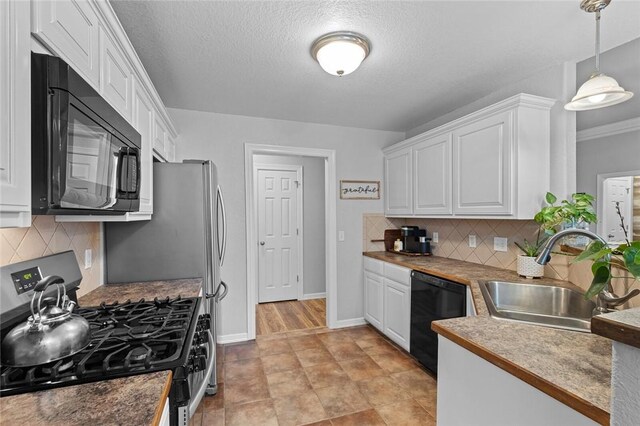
[{"x": 544, "y": 305}]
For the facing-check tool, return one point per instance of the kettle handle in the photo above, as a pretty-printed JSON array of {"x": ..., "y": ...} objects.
[{"x": 41, "y": 287}]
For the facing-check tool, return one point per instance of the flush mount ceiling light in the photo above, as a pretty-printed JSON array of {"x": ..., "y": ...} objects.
[
  {"x": 341, "y": 52},
  {"x": 600, "y": 90}
]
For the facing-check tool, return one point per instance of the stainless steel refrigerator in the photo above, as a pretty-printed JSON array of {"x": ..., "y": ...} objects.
[{"x": 185, "y": 238}]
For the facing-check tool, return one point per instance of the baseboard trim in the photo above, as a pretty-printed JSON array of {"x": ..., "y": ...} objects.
[
  {"x": 349, "y": 323},
  {"x": 233, "y": 338},
  {"x": 314, "y": 296}
]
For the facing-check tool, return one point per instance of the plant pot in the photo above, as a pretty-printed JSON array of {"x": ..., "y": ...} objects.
[
  {"x": 528, "y": 267},
  {"x": 577, "y": 241}
]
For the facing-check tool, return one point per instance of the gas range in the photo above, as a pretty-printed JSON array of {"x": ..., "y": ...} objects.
[{"x": 126, "y": 339}]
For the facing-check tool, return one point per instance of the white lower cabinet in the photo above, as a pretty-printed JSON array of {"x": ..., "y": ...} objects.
[
  {"x": 397, "y": 312},
  {"x": 387, "y": 299}
]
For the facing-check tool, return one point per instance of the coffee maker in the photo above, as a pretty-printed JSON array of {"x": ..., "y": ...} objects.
[{"x": 415, "y": 240}]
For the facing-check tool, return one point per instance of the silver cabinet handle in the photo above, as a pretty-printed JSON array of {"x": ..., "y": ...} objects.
[
  {"x": 261, "y": 243},
  {"x": 223, "y": 246}
]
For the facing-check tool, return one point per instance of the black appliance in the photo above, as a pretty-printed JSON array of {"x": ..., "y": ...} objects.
[
  {"x": 432, "y": 299},
  {"x": 129, "y": 338},
  {"x": 414, "y": 240},
  {"x": 85, "y": 158}
]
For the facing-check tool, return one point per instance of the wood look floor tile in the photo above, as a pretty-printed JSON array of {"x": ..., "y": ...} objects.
[
  {"x": 320, "y": 423},
  {"x": 325, "y": 375},
  {"x": 345, "y": 350},
  {"x": 304, "y": 342},
  {"x": 363, "y": 418},
  {"x": 376, "y": 346},
  {"x": 362, "y": 332},
  {"x": 249, "y": 390},
  {"x": 416, "y": 382},
  {"x": 213, "y": 418},
  {"x": 241, "y": 351},
  {"x": 220, "y": 372},
  {"x": 405, "y": 413},
  {"x": 241, "y": 370},
  {"x": 253, "y": 413},
  {"x": 300, "y": 409},
  {"x": 334, "y": 337},
  {"x": 429, "y": 403},
  {"x": 394, "y": 362},
  {"x": 314, "y": 356},
  {"x": 214, "y": 402},
  {"x": 286, "y": 383},
  {"x": 280, "y": 362},
  {"x": 382, "y": 390},
  {"x": 342, "y": 399},
  {"x": 362, "y": 368},
  {"x": 274, "y": 346}
]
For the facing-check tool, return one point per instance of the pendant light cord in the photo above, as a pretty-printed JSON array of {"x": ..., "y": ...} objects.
[{"x": 598, "y": 41}]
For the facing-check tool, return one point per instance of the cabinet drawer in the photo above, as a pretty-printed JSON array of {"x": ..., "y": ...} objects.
[
  {"x": 373, "y": 265},
  {"x": 397, "y": 273}
]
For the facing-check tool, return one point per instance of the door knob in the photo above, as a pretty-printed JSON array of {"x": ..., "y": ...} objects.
[{"x": 261, "y": 243}]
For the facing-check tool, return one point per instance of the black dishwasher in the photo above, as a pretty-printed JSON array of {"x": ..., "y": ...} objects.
[{"x": 432, "y": 299}]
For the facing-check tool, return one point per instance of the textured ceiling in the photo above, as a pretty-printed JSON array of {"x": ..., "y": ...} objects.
[{"x": 428, "y": 57}]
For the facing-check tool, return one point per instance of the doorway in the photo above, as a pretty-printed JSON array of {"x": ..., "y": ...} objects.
[
  {"x": 619, "y": 196},
  {"x": 290, "y": 245}
]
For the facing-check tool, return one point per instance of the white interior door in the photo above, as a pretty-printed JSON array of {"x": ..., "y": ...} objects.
[
  {"x": 278, "y": 277},
  {"x": 617, "y": 190}
]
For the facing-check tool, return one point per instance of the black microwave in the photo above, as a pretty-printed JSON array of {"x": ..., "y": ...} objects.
[{"x": 85, "y": 157}]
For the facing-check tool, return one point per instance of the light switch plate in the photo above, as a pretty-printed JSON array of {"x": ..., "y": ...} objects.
[
  {"x": 500, "y": 243},
  {"x": 87, "y": 259},
  {"x": 434, "y": 237},
  {"x": 340, "y": 235},
  {"x": 472, "y": 241}
]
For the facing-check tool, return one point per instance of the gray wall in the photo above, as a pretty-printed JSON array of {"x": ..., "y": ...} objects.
[
  {"x": 556, "y": 82},
  {"x": 314, "y": 276},
  {"x": 623, "y": 64},
  {"x": 221, "y": 138}
]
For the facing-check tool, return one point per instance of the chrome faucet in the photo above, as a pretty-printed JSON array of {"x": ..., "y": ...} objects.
[{"x": 607, "y": 299}]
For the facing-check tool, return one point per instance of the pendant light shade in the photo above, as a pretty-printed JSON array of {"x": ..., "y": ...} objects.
[
  {"x": 340, "y": 53},
  {"x": 600, "y": 90}
]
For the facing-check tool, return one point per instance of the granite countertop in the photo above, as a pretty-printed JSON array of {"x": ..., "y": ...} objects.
[
  {"x": 572, "y": 367},
  {"x": 622, "y": 326},
  {"x": 135, "y": 400}
]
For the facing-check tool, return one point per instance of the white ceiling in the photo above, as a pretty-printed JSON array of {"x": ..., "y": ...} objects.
[{"x": 428, "y": 57}]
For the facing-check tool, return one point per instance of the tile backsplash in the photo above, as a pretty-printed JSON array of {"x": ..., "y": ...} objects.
[
  {"x": 453, "y": 242},
  {"x": 46, "y": 236}
]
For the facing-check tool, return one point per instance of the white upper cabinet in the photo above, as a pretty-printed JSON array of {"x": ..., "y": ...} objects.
[
  {"x": 160, "y": 139},
  {"x": 482, "y": 166},
  {"x": 493, "y": 163},
  {"x": 432, "y": 176},
  {"x": 15, "y": 114},
  {"x": 70, "y": 29},
  {"x": 398, "y": 182},
  {"x": 143, "y": 121},
  {"x": 115, "y": 76}
]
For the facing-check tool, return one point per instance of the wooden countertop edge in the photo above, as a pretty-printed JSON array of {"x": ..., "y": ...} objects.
[
  {"x": 614, "y": 330},
  {"x": 163, "y": 400},
  {"x": 569, "y": 399}
]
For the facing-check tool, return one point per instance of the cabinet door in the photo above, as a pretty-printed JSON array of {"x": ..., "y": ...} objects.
[
  {"x": 143, "y": 121},
  {"x": 373, "y": 300},
  {"x": 482, "y": 166},
  {"x": 432, "y": 176},
  {"x": 397, "y": 312},
  {"x": 159, "y": 139},
  {"x": 115, "y": 76},
  {"x": 397, "y": 171},
  {"x": 15, "y": 114},
  {"x": 69, "y": 28}
]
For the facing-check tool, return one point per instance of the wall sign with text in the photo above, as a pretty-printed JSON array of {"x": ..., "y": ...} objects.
[{"x": 360, "y": 189}]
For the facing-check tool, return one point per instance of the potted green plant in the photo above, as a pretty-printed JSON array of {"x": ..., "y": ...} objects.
[
  {"x": 578, "y": 212},
  {"x": 527, "y": 265}
]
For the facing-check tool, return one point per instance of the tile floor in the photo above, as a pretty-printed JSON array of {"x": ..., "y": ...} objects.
[{"x": 351, "y": 376}]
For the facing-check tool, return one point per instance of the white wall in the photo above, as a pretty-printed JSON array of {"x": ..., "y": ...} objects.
[
  {"x": 556, "y": 82},
  {"x": 314, "y": 276},
  {"x": 221, "y": 138}
]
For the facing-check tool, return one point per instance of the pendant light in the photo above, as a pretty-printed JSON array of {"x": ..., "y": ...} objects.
[
  {"x": 341, "y": 52},
  {"x": 600, "y": 90}
]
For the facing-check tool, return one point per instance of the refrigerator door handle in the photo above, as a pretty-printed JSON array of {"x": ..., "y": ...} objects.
[
  {"x": 222, "y": 247},
  {"x": 219, "y": 297}
]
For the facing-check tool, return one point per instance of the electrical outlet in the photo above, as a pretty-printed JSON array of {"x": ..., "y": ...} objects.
[
  {"x": 500, "y": 243},
  {"x": 87, "y": 259},
  {"x": 472, "y": 241},
  {"x": 434, "y": 237},
  {"x": 340, "y": 235}
]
